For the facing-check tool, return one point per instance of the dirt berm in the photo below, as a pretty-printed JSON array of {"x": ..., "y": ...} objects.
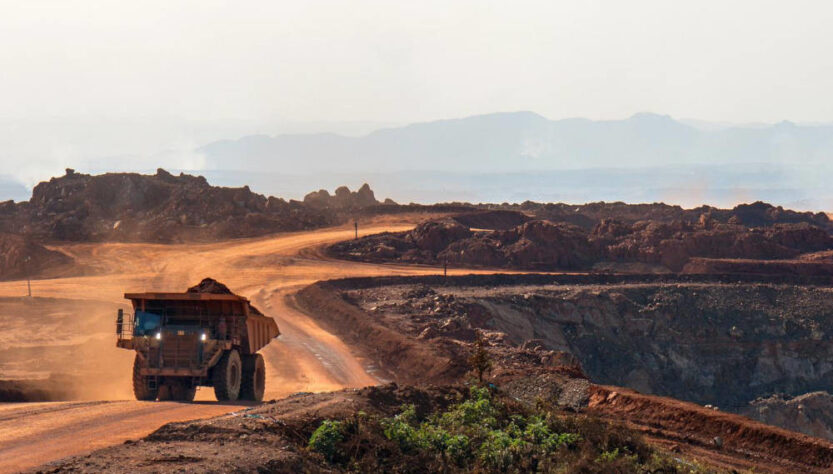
[{"x": 399, "y": 356}]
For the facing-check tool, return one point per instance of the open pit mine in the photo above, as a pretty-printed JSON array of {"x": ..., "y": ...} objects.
[{"x": 603, "y": 337}]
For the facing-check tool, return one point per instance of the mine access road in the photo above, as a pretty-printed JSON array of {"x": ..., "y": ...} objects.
[{"x": 306, "y": 358}]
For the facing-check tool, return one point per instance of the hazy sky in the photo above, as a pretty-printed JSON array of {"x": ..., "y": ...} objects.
[
  {"x": 396, "y": 61},
  {"x": 112, "y": 84}
]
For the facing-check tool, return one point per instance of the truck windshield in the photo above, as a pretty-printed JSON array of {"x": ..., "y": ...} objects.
[{"x": 146, "y": 323}]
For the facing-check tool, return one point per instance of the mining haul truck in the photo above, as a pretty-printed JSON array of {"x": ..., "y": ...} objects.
[{"x": 207, "y": 336}]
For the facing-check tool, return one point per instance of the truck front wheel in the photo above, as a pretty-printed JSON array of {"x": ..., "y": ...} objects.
[
  {"x": 141, "y": 384},
  {"x": 226, "y": 376},
  {"x": 254, "y": 378}
]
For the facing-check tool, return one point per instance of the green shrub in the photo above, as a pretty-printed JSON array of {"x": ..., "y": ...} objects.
[
  {"x": 326, "y": 438},
  {"x": 400, "y": 429},
  {"x": 500, "y": 450},
  {"x": 477, "y": 411},
  {"x": 458, "y": 449},
  {"x": 486, "y": 433}
]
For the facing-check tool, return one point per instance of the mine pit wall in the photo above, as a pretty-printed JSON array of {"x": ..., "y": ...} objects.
[{"x": 723, "y": 340}]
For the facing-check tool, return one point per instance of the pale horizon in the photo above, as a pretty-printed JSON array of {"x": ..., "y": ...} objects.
[{"x": 114, "y": 87}]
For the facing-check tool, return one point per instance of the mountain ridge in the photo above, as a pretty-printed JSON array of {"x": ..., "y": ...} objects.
[{"x": 524, "y": 141}]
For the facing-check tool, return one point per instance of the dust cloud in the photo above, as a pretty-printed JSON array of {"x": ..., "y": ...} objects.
[
  {"x": 59, "y": 349},
  {"x": 61, "y": 344}
]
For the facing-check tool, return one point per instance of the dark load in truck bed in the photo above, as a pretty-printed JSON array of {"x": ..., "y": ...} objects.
[{"x": 205, "y": 336}]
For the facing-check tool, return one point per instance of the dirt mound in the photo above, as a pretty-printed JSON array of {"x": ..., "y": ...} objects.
[
  {"x": 19, "y": 257},
  {"x": 152, "y": 208},
  {"x": 436, "y": 235},
  {"x": 210, "y": 285},
  {"x": 544, "y": 245}
]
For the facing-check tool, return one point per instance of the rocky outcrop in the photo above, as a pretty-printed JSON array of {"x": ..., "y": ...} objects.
[
  {"x": 343, "y": 198},
  {"x": 153, "y": 208}
]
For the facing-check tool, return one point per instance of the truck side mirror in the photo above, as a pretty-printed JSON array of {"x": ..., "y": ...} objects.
[{"x": 119, "y": 321}]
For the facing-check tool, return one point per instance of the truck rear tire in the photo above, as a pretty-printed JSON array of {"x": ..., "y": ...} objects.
[
  {"x": 141, "y": 387},
  {"x": 226, "y": 376},
  {"x": 254, "y": 378}
]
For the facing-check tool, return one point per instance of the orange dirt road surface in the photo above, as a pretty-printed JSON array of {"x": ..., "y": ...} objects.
[{"x": 267, "y": 270}]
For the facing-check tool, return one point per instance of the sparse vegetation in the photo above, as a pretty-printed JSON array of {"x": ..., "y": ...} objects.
[
  {"x": 480, "y": 361},
  {"x": 325, "y": 438},
  {"x": 487, "y": 433}
]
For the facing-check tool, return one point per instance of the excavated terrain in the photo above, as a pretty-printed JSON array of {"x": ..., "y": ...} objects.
[
  {"x": 702, "y": 339},
  {"x": 750, "y": 320},
  {"x": 715, "y": 341},
  {"x": 712, "y": 342}
]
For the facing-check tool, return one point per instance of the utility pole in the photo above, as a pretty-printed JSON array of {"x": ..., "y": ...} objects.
[
  {"x": 356, "y": 225},
  {"x": 28, "y": 277},
  {"x": 445, "y": 267}
]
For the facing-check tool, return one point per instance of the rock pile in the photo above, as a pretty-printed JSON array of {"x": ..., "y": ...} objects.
[
  {"x": 757, "y": 214},
  {"x": 547, "y": 245}
]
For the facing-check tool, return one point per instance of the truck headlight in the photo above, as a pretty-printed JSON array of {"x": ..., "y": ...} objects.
[
  {"x": 203, "y": 337},
  {"x": 158, "y": 336}
]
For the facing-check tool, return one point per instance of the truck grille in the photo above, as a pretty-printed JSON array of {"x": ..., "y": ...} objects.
[{"x": 180, "y": 352}]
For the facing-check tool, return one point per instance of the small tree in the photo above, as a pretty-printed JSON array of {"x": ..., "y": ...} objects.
[{"x": 480, "y": 361}]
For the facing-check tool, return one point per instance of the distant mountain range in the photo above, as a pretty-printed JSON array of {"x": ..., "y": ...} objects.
[{"x": 525, "y": 141}]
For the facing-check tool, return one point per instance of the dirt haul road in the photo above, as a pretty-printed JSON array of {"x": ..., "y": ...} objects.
[{"x": 267, "y": 270}]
